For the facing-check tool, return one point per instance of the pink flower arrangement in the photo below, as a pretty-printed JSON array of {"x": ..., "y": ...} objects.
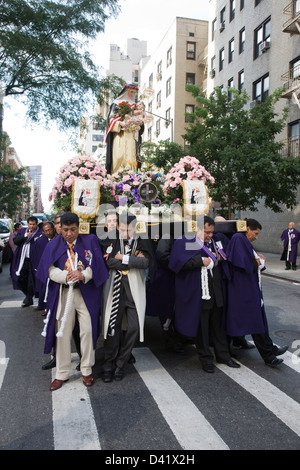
[
  {"x": 79, "y": 167},
  {"x": 188, "y": 168}
]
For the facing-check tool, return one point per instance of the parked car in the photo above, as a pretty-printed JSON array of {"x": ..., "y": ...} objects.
[{"x": 5, "y": 231}]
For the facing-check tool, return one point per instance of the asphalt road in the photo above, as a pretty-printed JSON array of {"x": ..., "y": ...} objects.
[{"x": 166, "y": 405}]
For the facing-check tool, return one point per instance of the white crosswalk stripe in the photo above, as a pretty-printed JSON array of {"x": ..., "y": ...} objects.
[
  {"x": 73, "y": 419},
  {"x": 11, "y": 303},
  {"x": 189, "y": 426},
  {"x": 284, "y": 407}
]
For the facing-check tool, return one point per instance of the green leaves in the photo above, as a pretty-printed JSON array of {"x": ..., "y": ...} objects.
[
  {"x": 44, "y": 56},
  {"x": 237, "y": 146},
  {"x": 12, "y": 184}
]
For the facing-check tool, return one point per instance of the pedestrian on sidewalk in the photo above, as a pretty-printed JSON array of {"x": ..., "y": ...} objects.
[
  {"x": 290, "y": 238},
  {"x": 245, "y": 310}
]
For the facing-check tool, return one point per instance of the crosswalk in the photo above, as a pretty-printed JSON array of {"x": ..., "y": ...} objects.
[
  {"x": 75, "y": 408},
  {"x": 74, "y": 423}
]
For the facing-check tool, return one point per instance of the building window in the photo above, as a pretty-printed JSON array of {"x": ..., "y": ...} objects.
[
  {"x": 190, "y": 78},
  {"x": 242, "y": 37},
  {"x": 189, "y": 109},
  {"x": 242, "y": 4},
  {"x": 97, "y": 138},
  {"x": 159, "y": 71},
  {"x": 221, "y": 59},
  {"x": 213, "y": 29},
  {"x": 94, "y": 148},
  {"x": 191, "y": 50},
  {"x": 262, "y": 36},
  {"x": 261, "y": 89},
  {"x": 158, "y": 99},
  {"x": 232, "y": 10},
  {"x": 213, "y": 67},
  {"x": 230, "y": 87},
  {"x": 157, "y": 130},
  {"x": 150, "y": 107},
  {"x": 222, "y": 19},
  {"x": 294, "y": 139},
  {"x": 168, "y": 117},
  {"x": 295, "y": 68},
  {"x": 150, "y": 133},
  {"x": 169, "y": 57},
  {"x": 168, "y": 87},
  {"x": 151, "y": 81},
  {"x": 231, "y": 50},
  {"x": 241, "y": 83},
  {"x": 257, "y": 2}
]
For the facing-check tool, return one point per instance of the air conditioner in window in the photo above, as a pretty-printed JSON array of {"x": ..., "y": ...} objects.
[
  {"x": 222, "y": 26},
  {"x": 212, "y": 73},
  {"x": 264, "y": 46}
]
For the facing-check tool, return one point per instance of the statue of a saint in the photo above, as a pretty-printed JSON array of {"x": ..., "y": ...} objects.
[{"x": 124, "y": 131}]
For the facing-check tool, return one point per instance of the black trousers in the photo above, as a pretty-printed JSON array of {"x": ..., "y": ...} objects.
[
  {"x": 117, "y": 348},
  {"x": 210, "y": 332},
  {"x": 265, "y": 346},
  {"x": 25, "y": 279}
]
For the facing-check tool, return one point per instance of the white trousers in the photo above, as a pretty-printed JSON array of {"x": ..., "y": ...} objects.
[{"x": 63, "y": 344}]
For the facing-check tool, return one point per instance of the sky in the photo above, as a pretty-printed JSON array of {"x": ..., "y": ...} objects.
[{"x": 146, "y": 21}]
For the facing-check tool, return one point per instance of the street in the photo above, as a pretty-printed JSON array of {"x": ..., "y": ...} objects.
[{"x": 165, "y": 404}]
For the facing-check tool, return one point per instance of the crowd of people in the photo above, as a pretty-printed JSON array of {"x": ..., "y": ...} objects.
[{"x": 204, "y": 287}]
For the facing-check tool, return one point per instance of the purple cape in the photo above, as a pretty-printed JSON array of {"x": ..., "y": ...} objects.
[
  {"x": 90, "y": 254},
  {"x": 244, "y": 313},
  {"x": 37, "y": 251},
  {"x": 294, "y": 245},
  {"x": 161, "y": 293},
  {"x": 188, "y": 289},
  {"x": 17, "y": 256}
]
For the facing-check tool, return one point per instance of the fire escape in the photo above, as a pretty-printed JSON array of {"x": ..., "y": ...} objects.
[{"x": 291, "y": 79}]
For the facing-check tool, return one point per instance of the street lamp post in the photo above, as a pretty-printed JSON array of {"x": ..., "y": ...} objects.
[{"x": 169, "y": 121}]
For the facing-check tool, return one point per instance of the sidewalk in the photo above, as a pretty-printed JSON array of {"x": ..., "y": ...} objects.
[{"x": 276, "y": 268}]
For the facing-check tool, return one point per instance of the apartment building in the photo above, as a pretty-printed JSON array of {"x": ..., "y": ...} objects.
[
  {"x": 177, "y": 60},
  {"x": 255, "y": 45}
]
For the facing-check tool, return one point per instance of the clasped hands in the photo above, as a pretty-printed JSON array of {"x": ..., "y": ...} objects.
[
  {"x": 139, "y": 254},
  {"x": 74, "y": 276}
]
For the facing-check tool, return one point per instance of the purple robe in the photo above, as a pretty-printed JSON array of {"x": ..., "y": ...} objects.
[
  {"x": 161, "y": 291},
  {"x": 90, "y": 254},
  {"x": 295, "y": 238},
  {"x": 244, "y": 312},
  {"x": 188, "y": 289},
  {"x": 17, "y": 255},
  {"x": 37, "y": 251}
]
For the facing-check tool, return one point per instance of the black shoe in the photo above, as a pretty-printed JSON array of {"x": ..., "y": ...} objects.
[
  {"x": 50, "y": 364},
  {"x": 107, "y": 376},
  {"x": 210, "y": 368},
  {"x": 294, "y": 268},
  {"x": 131, "y": 360},
  {"x": 119, "y": 373},
  {"x": 275, "y": 362},
  {"x": 287, "y": 269},
  {"x": 281, "y": 350},
  {"x": 233, "y": 364},
  {"x": 27, "y": 302}
]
